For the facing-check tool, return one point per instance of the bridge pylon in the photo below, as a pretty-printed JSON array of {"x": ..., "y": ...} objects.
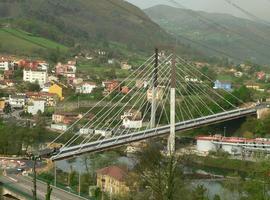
[
  {"x": 154, "y": 91},
  {"x": 171, "y": 139}
]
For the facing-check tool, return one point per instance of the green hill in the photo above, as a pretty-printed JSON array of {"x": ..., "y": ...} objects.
[
  {"x": 21, "y": 42},
  {"x": 241, "y": 38},
  {"x": 85, "y": 23}
]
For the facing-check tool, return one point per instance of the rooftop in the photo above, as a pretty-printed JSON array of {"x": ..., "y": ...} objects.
[
  {"x": 219, "y": 138},
  {"x": 114, "y": 172}
]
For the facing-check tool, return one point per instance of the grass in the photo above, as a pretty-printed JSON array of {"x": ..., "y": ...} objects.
[
  {"x": 225, "y": 78},
  {"x": 101, "y": 71},
  {"x": 15, "y": 40}
]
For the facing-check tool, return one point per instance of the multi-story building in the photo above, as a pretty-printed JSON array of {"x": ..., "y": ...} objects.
[
  {"x": 112, "y": 180},
  {"x": 4, "y": 65},
  {"x": 232, "y": 145},
  {"x": 17, "y": 100},
  {"x": 36, "y": 106},
  {"x": 86, "y": 87},
  {"x": 50, "y": 99},
  {"x": 35, "y": 76}
]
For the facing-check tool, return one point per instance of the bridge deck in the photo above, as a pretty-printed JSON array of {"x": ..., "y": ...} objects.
[{"x": 67, "y": 152}]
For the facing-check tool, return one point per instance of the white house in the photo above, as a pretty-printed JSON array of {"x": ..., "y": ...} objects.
[
  {"x": 35, "y": 106},
  {"x": 86, "y": 88},
  {"x": 59, "y": 127},
  {"x": 4, "y": 65},
  {"x": 132, "y": 119},
  {"x": 33, "y": 76},
  {"x": 17, "y": 101}
]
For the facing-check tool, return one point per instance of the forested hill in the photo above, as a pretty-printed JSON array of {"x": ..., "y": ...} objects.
[
  {"x": 241, "y": 38},
  {"x": 84, "y": 23}
]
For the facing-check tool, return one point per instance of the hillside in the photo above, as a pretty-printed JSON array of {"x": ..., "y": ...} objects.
[
  {"x": 16, "y": 41},
  {"x": 238, "y": 37},
  {"x": 85, "y": 23}
]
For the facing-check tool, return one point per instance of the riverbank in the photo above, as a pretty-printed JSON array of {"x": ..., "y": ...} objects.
[{"x": 228, "y": 166}]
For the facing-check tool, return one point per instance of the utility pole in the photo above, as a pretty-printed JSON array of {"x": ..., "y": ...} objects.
[
  {"x": 55, "y": 173},
  {"x": 154, "y": 91},
  {"x": 34, "y": 191},
  {"x": 79, "y": 183},
  {"x": 171, "y": 139}
]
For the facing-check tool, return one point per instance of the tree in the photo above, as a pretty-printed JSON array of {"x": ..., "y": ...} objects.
[
  {"x": 49, "y": 191},
  {"x": 199, "y": 193},
  {"x": 157, "y": 175}
]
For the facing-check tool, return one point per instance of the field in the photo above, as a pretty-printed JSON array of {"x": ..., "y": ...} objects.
[{"x": 16, "y": 41}]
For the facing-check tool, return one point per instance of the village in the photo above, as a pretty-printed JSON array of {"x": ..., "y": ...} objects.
[{"x": 60, "y": 93}]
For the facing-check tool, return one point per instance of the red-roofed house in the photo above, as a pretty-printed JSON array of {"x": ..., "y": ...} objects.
[
  {"x": 125, "y": 90},
  {"x": 261, "y": 75},
  {"x": 111, "y": 86},
  {"x": 112, "y": 180}
]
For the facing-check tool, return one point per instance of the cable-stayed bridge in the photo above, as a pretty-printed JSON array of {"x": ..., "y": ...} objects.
[{"x": 167, "y": 94}]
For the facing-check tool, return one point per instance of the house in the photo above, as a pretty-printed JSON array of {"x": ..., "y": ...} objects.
[
  {"x": 132, "y": 119},
  {"x": 111, "y": 61},
  {"x": 141, "y": 83},
  {"x": 56, "y": 89},
  {"x": 65, "y": 118},
  {"x": 2, "y": 105},
  {"x": 111, "y": 86},
  {"x": 17, "y": 100},
  {"x": 35, "y": 76},
  {"x": 77, "y": 81},
  {"x": 112, "y": 180},
  {"x": 52, "y": 78},
  {"x": 4, "y": 65},
  {"x": 8, "y": 74},
  {"x": 159, "y": 93},
  {"x": 67, "y": 70},
  {"x": 36, "y": 106},
  {"x": 255, "y": 87},
  {"x": 59, "y": 127},
  {"x": 261, "y": 75},
  {"x": 201, "y": 64},
  {"x": 50, "y": 99},
  {"x": 125, "y": 90},
  {"x": 86, "y": 87},
  {"x": 224, "y": 85},
  {"x": 33, "y": 65},
  {"x": 125, "y": 66},
  {"x": 192, "y": 80},
  {"x": 9, "y": 83},
  {"x": 238, "y": 74}
]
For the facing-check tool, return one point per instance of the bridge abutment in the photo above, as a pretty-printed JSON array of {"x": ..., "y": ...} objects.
[{"x": 262, "y": 113}]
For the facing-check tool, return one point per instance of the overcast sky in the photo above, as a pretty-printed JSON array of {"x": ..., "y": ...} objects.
[{"x": 260, "y": 8}]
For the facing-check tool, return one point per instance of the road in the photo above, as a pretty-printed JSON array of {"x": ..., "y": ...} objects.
[{"x": 25, "y": 184}]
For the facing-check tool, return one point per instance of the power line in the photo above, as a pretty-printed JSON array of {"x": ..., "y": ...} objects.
[
  {"x": 247, "y": 13},
  {"x": 223, "y": 27}
]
